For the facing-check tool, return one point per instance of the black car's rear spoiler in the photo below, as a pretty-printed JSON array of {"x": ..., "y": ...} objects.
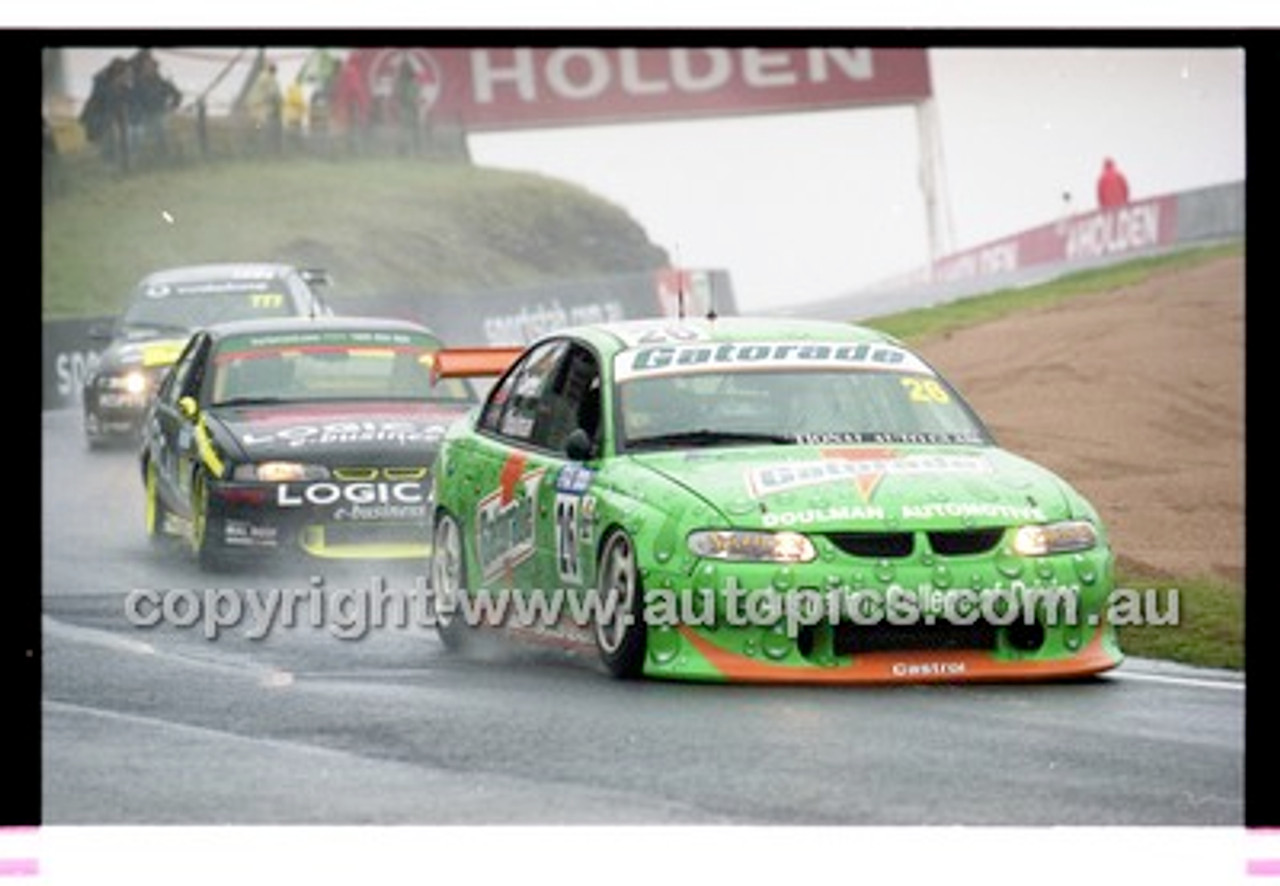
[{"x": 472, "y": 362}]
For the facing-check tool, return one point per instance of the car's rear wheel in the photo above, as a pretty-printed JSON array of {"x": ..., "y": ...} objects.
[
  {"x": 619, "y": 627},
  {"x": 156, "y": 514},
  {"x": 204, "y": 526},
  {"x": 449, "y": 582}
]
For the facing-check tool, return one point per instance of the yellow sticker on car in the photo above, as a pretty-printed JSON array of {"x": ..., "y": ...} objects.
[{"x": 163, "y": 353}]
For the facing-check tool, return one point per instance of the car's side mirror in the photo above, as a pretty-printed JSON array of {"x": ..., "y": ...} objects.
[
  {"x": 101, "y": 331},
  {"x": 188, "y": 407},
  {"x": 578, "y": 445}
]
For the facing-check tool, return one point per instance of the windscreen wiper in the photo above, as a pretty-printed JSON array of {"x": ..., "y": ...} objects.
[
  {"x": 705, "y": 437},
  {"x": 254, "y": 401}
]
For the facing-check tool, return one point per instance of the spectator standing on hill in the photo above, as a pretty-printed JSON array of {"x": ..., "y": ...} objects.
[
  {"x": 105, "y": 116},
  {"x": 151, "y": 100},
  {"x": 1113, "y": 187},
  {"x": 265, "y": 104},
  {"x": 294, "y": 113},
  {"x": 408, "y": 110},
  {"x": 352, "y": 103},
  {"x": 320, "y": 72}
]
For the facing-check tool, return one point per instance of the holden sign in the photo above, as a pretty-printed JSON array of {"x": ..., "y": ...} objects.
[{"x": 528, "y": 87}]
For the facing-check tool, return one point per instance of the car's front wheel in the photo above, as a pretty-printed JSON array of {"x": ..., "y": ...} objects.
[
  {"x": 204, "y": 526},
  {"x": 155, "y": 514},
  {"x": 94, "y": 438},
  {"x": 619, "y": 626},
  {"x": 449, "y": 582}
]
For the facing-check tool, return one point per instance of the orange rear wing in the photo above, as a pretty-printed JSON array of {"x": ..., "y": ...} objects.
[{"x": 472, "y": 362}]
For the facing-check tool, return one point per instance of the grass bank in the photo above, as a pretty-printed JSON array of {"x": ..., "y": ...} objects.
[
  {"x": 921, "y": 322},
  {"x": 378, "y": 225}
]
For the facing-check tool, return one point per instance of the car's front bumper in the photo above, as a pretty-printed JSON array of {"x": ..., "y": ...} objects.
[
  {"x": 115, "y": 402},
  {"x": 248, "y": 520},
  {"x": 979, "y": 618},
  {"x": 114, "y": 414}
]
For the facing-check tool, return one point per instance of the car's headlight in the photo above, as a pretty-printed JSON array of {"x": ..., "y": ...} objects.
[
  {"x": 280, "y": 472},
  {"x": 752, "y": 546},
  {"x": 135, "y": 382},
  {"x": 1054, "y": 538}
]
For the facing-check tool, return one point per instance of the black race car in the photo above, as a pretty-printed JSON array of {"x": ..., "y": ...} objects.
[
  {"x": 165, "y": 307},
  {"x": 312, "y": 435}
]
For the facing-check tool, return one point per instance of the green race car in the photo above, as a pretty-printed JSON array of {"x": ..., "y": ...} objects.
[{"x": 758, "y": 500}]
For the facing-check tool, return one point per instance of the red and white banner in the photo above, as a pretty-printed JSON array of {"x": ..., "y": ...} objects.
[
  {"x": 528, "y": 87},
  {"x": 1135, "y": 228}
]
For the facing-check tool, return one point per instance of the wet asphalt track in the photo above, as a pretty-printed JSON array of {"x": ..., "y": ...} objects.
[{"x": 163, "y": 726}]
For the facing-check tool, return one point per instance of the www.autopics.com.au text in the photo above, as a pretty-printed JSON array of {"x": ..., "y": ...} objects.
[{"x": 350, "y": 613}]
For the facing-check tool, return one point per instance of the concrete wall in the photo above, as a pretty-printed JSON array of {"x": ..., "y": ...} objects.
[{"x": 1211, "y": 213}]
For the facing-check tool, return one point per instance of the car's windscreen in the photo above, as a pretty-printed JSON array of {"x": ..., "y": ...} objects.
[
  {"x": 319, "y": 366},
  {"x": 664, "y": 403},
  {"x": 189, "y": 306}
]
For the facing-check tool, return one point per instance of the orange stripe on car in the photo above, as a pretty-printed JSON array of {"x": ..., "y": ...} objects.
[{"x": 907, "y": 666}]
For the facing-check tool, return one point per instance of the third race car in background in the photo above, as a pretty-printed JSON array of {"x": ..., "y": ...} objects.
[
  {"x": 165, "y": 307},
  {"x": 313, "y": 436},
  {"x": 762, "y": 500}
]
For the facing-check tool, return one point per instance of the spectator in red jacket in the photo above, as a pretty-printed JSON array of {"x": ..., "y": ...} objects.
[
  {"x": 1113, "y": 187},
  {"x": 352, "y": 103}
]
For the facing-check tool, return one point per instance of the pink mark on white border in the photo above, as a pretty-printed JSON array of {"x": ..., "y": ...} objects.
[
  {"x": 1264, "y": 867},
  {"x": 15, "y": 844}
]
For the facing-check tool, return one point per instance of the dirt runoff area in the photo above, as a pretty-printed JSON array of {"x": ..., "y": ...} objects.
[{"x": 1136, "y": 397}]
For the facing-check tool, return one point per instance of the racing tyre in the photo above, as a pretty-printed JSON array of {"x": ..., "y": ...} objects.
[
  {"x": 620, "y": 638},
  {"x": 156, "y": 514},
  {"x": 204, "y": 526},
  {"x": 93, "y": 439},
  {"x": 449, "y": 582}
]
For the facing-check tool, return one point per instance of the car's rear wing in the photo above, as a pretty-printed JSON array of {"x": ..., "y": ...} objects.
[{"x": 472, "y": 362}]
